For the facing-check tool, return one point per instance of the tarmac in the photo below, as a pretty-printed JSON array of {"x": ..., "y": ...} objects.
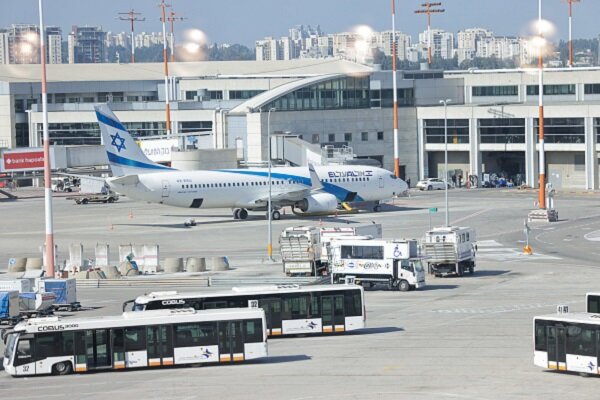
[{"x": 459, "y": 338}]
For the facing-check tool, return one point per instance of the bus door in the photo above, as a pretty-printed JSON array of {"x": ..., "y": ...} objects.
[
  {"x": 557, "y": 354},
  {"x": 231, "y": 341},
  {"x": 159, "y": 341},
  {"x": 332, "y": 313},
  {"x": 272, "y": 307},
  {"x": 92, "y": 350}
]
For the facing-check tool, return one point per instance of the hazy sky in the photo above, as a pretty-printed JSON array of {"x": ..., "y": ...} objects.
[{"x": 243, "y": 21}]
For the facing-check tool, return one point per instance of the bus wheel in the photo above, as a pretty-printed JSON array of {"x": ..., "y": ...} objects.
[
  {"x": 62, "y": 368},
  {"x": 404, "y": 286}
]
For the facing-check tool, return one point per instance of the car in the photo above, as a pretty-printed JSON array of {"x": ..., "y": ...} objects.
[{"x": 431, "y": 184}]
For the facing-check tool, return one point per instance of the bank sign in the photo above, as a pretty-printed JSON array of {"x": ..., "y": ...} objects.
[{"x": 30, "y": 159}]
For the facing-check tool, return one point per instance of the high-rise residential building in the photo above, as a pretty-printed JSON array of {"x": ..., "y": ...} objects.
[
  {"x": 121, "y": 39},
  {"x": 442, "y": 44},
  {"x": 3, "y": 47},
  {"x": 87, "y": 45},
  {"x": 267, "y": 49},
  {"x": 384, "y": 41},
  {"x": 54, "y": 45},
  {"x": 23, "y": 42}
]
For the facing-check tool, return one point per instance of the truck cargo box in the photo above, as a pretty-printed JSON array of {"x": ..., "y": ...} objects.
[{"x": 9, "y": 305}]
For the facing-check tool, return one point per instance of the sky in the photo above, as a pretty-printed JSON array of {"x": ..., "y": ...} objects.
[{"x": 244, "y": 21}]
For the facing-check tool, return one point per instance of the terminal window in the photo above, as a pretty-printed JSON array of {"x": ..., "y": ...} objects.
[{"x": 488, "y": 91}]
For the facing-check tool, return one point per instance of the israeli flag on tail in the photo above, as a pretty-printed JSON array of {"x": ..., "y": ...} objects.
[{"x": 124, "y": 155}]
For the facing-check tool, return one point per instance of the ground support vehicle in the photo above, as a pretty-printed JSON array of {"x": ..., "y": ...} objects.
[
  {"x": 94, "y": 198},
  {"x": 65, "y": 291},
  {"x": 36, "y": 304},
  {"x": 374, "y": 231},
  {"x": 289, "y": 309},
  {"x": 159, "y": 338},
  {"x": 395, "y": 263},
  {"x": 9, "y": 307},
  {"x": 450, "y": 250},
  {"x": 300, "y": 249},
  {"x": 567, "y": 341}
]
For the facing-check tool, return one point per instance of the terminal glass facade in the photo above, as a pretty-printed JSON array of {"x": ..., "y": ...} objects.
[
  {"x": 458, "y": 131},
  {"x": 82, "y": 133},
  {"x": 562, "y": 130},
  {"x": 502, "y": 130},
  {"x": 491, "y": 91},
  {"x": 551, "y": 90},
  {"x": 342, "y": 93}
]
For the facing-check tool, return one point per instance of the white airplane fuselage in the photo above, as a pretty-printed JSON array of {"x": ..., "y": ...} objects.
[{"x": 242, "y": 187}]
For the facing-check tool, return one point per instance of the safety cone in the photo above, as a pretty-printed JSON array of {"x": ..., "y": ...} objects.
[
  {"x": 527, "y": 250},
  {"x": 130, "y": 214}
]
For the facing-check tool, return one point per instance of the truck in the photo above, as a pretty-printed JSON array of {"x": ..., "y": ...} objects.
[
  {"x": 374, "y": 231},
  {"x": 9, "y": 307},
  {"x": 396, "y": 264},
  {"x": 300, "y": 249},
  {"x": 109, "y": 197},
  {"x": 450, "y": 250}
]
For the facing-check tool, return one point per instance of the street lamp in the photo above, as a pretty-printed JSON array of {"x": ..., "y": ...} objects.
[
  {"x": 445, "y": 103},
  {"x": 269, "y": 213}
]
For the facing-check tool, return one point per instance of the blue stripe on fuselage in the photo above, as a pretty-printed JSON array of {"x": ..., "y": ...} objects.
[
  {"x": 109, "y": 121},
  {"x": 113, "y": 158},
  {"x": 339, "y": 192}
]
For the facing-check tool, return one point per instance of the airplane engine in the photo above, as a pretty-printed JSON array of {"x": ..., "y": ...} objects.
[{"x": 319, "y": 202}]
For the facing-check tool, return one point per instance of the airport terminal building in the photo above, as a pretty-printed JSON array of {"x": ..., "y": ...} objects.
[{"x": 332, "y": 104}]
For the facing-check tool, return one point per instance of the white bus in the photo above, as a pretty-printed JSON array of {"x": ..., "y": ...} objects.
[
  {"x": 134, "y": 340},
  {"x": 567, "y": 342},
  {"x": 289, "y": 309}
]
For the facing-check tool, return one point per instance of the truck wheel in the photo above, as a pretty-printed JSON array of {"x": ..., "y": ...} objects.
[
  {"x": 78, "y": 201},
  {"x": 111, "y": 200},
  {"x": 404, "y": 286},
  {"x": 471, "y": 269},
  {"x": 84, "y": 201},
  {"x": 62, "y": 368}
]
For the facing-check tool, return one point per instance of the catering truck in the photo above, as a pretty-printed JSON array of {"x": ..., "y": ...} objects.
[
  {"x": 300, "y": 249},
  {"x": 450, "y": 250},
  {"x": 395, "y": 264}
]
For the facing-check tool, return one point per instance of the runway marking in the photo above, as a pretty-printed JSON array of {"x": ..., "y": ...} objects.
[
  {"x": 475, "y": 214},
  {"x": 492, "y": 250},
  {"x": 593, "y": 236},
  {"x": 501, "y": 308}
]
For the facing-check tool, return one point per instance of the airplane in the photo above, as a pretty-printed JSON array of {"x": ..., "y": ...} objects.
[{"x": 316, "y": 189}]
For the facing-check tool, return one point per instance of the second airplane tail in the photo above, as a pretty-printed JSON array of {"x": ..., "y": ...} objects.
[{"x": 124, "y": 155}]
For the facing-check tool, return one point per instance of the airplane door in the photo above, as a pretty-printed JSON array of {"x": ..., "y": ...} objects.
[
  {"x": 381, "y": 182},
  {"x": 165, "y": 188}
]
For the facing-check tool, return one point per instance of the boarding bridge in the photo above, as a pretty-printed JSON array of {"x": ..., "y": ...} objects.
[{"x": 291, "y": 150}]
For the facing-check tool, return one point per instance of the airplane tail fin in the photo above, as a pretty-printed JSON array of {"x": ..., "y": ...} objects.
[
  {"x": 124, "y": 155},
  {"x": 315, "y": 182}
]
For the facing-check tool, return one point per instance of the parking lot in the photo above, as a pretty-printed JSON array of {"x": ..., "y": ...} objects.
[{"x": 466, "y": 338}]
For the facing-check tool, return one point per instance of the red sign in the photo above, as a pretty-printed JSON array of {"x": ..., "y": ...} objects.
[{"x": 23, "y": 161}]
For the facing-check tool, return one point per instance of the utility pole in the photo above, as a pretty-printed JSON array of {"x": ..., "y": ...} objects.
[
  {"x": 47, "y": 164},
  {"x": 132, "y": 17},
  {"x": 571, "y": 30},
  {"x": 172, "y": 19},
  {"x": 542, "y": 161},
  {"x": 163, "y": 19},
  {"x": 395, "y": 94},
  {"x": 428, "y": 8}
]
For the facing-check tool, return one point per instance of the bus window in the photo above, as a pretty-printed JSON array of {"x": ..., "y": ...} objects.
[
  {"x": 295, "y": 306},
  {"x": 593, "y": 304},
  {"x": 54, "y": 344},
  {"x": 540, "y": 335},
  {"x": 253, "y": 330},
  {"x": 315, "y": 305},
  {"x": 23, "y": 352},
  {"x": 209, "y": 305},
  {"x": 580, "y": 341},
  {"x": 135, "y": 338},
  {"x": 353, "y": 303},
  {"x": 193, "y": 335}
]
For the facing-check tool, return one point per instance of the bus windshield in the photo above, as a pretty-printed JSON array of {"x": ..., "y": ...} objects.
[
  {"x": 138, "y": 307},
  {"x": 10, "y": 345}
]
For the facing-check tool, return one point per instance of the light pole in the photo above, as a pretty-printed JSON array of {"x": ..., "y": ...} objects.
[
  {"x": 542, "y": 161},
  {"x": 445, "y": 103},
  {"x": 269, "y": 213}
]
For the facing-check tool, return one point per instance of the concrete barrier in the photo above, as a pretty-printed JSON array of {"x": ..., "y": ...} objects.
[
  {"x": 195, "y": 264},
  {"x": 17, "y": 265},
  {"x": 219, "y": 264},
  {"x": 126, "y": 269},
  {"x": 34, "y": 263},
  {"x": 173, "y": 265},
  {"x": 111, "y": 272}
]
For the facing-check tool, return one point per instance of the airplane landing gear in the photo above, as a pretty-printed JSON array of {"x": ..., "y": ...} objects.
[
  {"x": 275, "y": 215},
  {"x": 240, "y": 213}
]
